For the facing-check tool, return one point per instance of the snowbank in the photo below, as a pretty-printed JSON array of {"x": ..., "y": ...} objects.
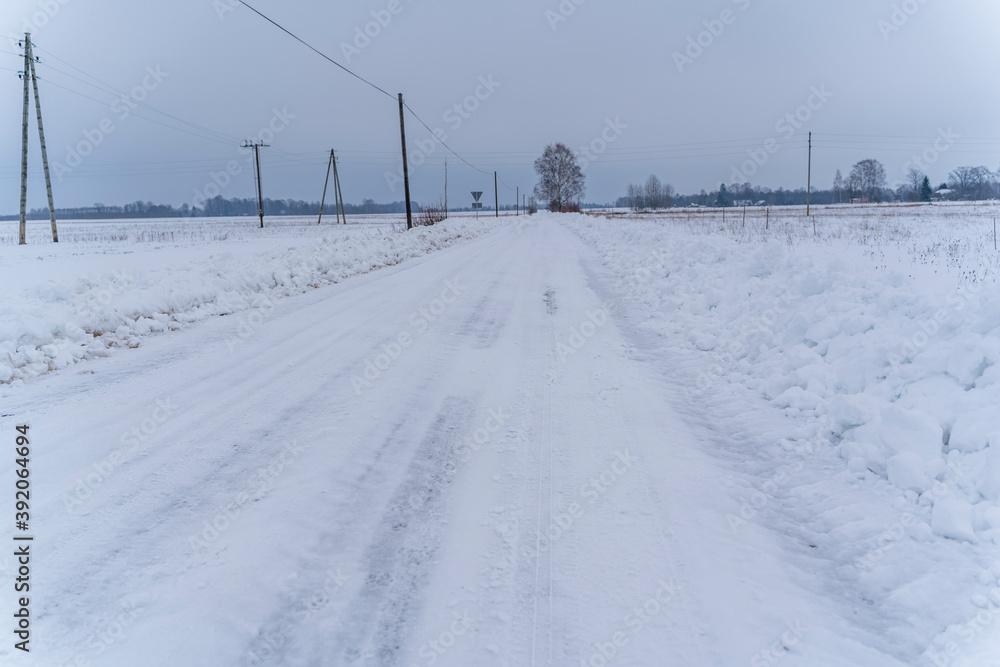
[
  {"x": 51, "y": 324},
  {"x": 906, "y": 381}
]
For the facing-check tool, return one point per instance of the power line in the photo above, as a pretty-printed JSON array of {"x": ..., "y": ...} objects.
[
  {"x": 212, "y": 135},
  {"x": 314, "y": 49},
  {"x": 108, "y": 88},
  {"x": 357, "y": 76},
  {"x": 151, "y": 120},
  {"x": 419, "y": 120}
]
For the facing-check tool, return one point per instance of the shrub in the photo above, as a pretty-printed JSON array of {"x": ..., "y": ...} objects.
[{"x": 430, "y": 215}]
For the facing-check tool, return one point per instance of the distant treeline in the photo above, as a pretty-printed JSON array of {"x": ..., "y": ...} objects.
[
  {"x": 217, "y": 207},
  {"x": 735, "y": 195}
]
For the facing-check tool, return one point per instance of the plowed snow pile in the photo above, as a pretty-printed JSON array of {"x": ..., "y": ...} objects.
[{"x": 75, "y": 300}]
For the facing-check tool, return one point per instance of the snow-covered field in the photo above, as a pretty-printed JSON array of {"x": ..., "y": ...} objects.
[{"x": 665, "y": 439}]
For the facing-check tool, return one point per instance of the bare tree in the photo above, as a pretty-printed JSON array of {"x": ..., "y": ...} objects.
[
  {"x": 668, "y": 194},
  {"x": 838, "y": 186},
  {"x": 868, "y": 177},
  {"x": 636, "y": 199},
  {"x": 914, "y": 180},
  {"x": 654, "y": 192},
  {"x": 853, "y": 184},
  {"x": 971, "y": 182},
  {"x": 561, "y": 181}
]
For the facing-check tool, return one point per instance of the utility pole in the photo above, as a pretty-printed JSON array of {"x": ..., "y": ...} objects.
[
  {"x": 517, "y": 201},
  {"x": 810, "y": 177},
  {"x": 340, "y": 194},
  {"x": 337, "y": 195},
  {"x": 256, "y": 146},
  {"x": 41, "y": 139},
  {"x": 446, "y": 188},
  {"x": 496, "y": 195},
  {"x": 29, "y": 72},
  {"x": 24, "y": 142},
  {"x": 322, "y": 202},
  {"x": 406, "y": 167}
]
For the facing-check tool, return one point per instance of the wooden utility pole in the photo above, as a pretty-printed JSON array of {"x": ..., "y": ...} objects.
[
  {"x": 41, "y": 139},
  {"x": 496, "y": 195},
  {"x": 256, "y": 146},
  {"x": 446, "y": 188},
  {"x": 340, "y": 193},
  {"x": 322, "y": 202},
  {"x": 517, "y": 201},
  {"x": 24, "y": 143},
  {"x": 809, "y": 179},
  {"x": 260, "y": 188},
  {"x": 406, "y": 167},
  {"x": 29, "y": 72}
]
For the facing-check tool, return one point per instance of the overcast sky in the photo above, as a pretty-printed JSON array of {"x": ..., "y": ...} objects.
[{"x": 628, "y": 79}]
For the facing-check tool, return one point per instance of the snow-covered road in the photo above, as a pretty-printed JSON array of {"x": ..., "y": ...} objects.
[{"x": 470, "y": 458}]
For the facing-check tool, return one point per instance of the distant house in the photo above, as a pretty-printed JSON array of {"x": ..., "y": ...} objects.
[
  {"x": 944, "y": 194},
  {"x": 860, "y": 200}
]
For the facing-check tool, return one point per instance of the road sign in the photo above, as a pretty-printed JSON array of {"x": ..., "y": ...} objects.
[
  {"x": 477, "y": 195},
  {"x": 477, "y": 205}
]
